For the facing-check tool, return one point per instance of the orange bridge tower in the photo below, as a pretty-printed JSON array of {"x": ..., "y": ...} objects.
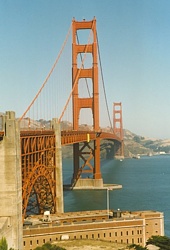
[
  {"x": 88, "y": 153},
  {"x": 118, "y": 130}
]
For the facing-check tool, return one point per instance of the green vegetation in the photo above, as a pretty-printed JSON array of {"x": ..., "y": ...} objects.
[
  {"x": 4, "y": 244},
  {"x": 137, "y": 138},
  {"x": 49, "y": 246},
  {"x": 137, "y": 247},
  {"x": 163, "y": 242}
]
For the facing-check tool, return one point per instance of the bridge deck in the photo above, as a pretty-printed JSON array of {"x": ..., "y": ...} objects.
[{"x": 69, "y": 137}]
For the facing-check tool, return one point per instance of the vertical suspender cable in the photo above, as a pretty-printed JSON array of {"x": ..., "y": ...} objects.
[
  {"x": 48, "y": 75},
  {"x": 104, "y": 84}
]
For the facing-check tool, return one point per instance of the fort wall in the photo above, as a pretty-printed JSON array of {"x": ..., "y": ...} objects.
[{"x": 129, "y": 228}]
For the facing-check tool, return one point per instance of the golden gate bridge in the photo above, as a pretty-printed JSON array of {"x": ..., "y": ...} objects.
[{"x": 76, "y": 88}]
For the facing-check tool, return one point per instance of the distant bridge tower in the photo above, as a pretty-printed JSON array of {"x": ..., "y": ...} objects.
[
  {"x": 118, "y": 129},
  {"x": 86, "y": 153}
]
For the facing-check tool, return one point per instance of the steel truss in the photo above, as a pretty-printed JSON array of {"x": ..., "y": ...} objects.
[{"x": 38, "y": 172}]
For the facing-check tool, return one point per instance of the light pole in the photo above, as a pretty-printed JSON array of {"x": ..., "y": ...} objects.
[{"x": 108, "y": 189}]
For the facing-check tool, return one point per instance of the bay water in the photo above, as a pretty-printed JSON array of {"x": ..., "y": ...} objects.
[{"x": 145, "y": 181}]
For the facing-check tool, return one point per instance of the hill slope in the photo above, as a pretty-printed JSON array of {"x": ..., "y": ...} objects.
[
  {"x": 137, "y": 144},
  {"x": 133, "y": 145}
]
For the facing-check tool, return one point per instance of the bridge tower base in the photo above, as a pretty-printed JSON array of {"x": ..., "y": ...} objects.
[
  {"x": 11, "y": 186},
  {"x": 89, "y": 184}
]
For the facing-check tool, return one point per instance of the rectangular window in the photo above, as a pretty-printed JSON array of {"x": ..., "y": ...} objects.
[
  {"x": 104, "y": 235},
  {"x": 98, "y": 235},
  {"x": 24, "y": 243},
  {"x": 92, "y": 236},
  {"x": 30, "y": 242},
  {"x": 121, "y": 233},
  {"x": 115, "y": 233},
  {"x": 126, "y": 232},
  {"x": 37, "y": 242},
  {"x": 132, "y": 233},
  {"x": 110, "y": 234}
]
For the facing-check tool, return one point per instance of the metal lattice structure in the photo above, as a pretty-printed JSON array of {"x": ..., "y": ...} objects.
[{"x": 38, "y": 172}]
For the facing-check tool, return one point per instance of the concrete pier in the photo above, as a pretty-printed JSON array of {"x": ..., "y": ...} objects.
[
  {"x": 11, "y": 186},
  {"x": 92, "y": 184},
  {"x": 58, "y": 160}
]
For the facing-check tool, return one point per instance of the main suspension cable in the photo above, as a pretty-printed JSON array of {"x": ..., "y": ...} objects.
[{"x": 48, "y": 76}]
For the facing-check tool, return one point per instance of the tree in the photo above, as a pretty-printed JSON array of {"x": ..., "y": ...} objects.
[
  {"x": 137, "y": 247},
  {"x": 49, "y": 246},
  {"x": 163, "y": 242},
  {"x": 3, "y": 244},
  {"x": 137, "y": 139}
]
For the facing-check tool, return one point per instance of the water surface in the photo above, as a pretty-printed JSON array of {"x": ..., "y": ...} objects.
[{"x": 146, "y": 186}]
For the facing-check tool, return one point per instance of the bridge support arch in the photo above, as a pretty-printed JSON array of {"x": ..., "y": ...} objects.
[
  {"x": 39, "y": 186},
  {"x": 42, "y": 171}
]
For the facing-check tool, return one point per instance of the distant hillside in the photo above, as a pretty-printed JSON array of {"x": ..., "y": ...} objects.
[
  {"x": 133, "y": 144},
  {"x": 137, "y": 144}
]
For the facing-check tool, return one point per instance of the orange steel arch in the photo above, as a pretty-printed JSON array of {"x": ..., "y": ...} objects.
[
  {"x": 86, "y": 151},
  {"x": 38, "y": 169},
  {"x": 33, "y": 181}
]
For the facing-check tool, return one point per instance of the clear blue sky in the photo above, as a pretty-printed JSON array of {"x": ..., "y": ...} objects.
[{"x": 134, "y": 39}]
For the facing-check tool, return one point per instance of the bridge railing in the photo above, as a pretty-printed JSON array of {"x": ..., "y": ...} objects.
[{"x": 70, "y": 137}]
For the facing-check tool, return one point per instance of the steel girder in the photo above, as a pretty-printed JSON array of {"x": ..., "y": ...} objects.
[{"x": 38, "y": 172}]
